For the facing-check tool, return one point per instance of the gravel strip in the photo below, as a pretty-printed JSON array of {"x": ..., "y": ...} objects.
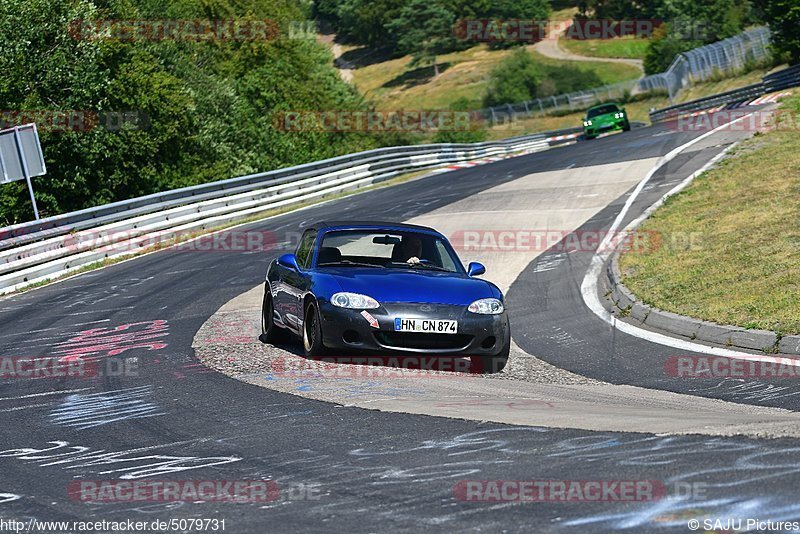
[{"x": 228, "y": 343}]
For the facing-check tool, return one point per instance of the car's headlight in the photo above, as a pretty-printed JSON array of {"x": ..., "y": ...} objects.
[
  {"x": 587, "y": 123},
  {"x": 486, "y": 307},
  {"x": 354, "y": 300}
]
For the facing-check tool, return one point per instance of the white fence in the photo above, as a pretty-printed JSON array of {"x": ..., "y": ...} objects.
[{"x": 725, "y": 57}]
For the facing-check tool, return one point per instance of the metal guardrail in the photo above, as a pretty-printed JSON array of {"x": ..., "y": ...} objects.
[
  {"x": 777, "y": 81},
  {"x": 64, "y": 243},
  {"x": 735, "y": 95},
  {"x": 20, "y": 234},
  {"x": 783, "y": 79}
]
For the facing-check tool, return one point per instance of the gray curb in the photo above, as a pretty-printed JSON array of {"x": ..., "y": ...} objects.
[{"x": 625, "y": 304}]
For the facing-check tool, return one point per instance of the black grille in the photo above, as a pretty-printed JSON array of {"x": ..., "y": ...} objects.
[{"x": 417, "y": 340}]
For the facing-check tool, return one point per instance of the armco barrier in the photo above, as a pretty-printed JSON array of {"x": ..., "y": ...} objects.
[
  {"x": 783, "y": 79},
  {"x": 58, "y": 245}
]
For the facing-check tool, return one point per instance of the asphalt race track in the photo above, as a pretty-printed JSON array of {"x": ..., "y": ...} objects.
[
  {"x": 350, "y": 469},
  {"x": 548, "y": 297}
]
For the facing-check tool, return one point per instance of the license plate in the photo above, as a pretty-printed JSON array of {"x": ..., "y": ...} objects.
[{"x": 430, "y": 326}]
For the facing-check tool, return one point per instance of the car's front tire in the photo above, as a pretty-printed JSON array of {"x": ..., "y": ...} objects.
[
  {"x": 626, "y": 127},
  {"x": 270, "y": 332},
  {"x": 312, "y": 332}
]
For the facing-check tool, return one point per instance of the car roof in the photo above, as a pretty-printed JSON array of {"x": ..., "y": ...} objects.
[{"x": 370, "y": 225}]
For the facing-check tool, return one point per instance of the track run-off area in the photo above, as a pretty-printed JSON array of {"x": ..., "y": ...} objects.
[{"x": 193, "y": 395}]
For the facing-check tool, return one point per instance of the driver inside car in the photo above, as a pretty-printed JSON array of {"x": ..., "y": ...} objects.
[{"x": 410, "y": 250}]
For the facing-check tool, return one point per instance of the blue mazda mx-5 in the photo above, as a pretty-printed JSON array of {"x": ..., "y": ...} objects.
[{"x": 384, "y": 288}]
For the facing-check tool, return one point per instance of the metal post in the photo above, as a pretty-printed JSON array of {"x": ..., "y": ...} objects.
[{"x": 25, "y": 171}]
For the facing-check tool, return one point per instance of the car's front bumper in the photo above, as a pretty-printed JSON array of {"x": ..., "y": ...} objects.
[
  {"x": 605, "y": 126},
  {"x": 348, "y": 330}
]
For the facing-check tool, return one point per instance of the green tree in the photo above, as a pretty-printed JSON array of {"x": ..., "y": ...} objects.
[
  {"x": 423, "y": 28},
  {"x": 520, "y": 9},
  {"x": 366, "y": 21},
  {"x": 708, "y": 21},
  {"x": 469, "y": 9},
  {"x": 515, "y": 79},
  {"x": 210, "y": 106},
  {"x": 665, "y": 45},
  {"x": 783, "y": 17},
  {"x": 568, "y": 79},
  {"x": 689, "y": 24},
  {"x": 619, "y": 9}
]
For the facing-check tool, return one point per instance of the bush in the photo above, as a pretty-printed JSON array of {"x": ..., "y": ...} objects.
[
  {"x": 514, "y": 79},
  {"x": 783, "y": 17},
  {"x": 568, "y": 79},
  {"x": 663, "y": 48},
  {"x": 519, "y": 77}
]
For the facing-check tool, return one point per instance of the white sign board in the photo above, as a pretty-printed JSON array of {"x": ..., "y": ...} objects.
[{"x": 21, "y": 157}]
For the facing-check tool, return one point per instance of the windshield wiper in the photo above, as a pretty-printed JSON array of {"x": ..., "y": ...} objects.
[
  {"x": 426, "y": 265},
  {"x": 434, "y": 267},
  {"x": 348, "y": 263}
]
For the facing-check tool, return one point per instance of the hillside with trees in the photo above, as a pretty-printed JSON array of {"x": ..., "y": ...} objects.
[
  {"x": 206, "y": 110},
  {"x": 206, "y": 107}
]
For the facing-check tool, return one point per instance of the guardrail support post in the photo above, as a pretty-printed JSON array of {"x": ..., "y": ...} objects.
[{"x": 26, "y": 173}]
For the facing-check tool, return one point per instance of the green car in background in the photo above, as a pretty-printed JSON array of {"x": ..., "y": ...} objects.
[{"x": 605, "y": 118}]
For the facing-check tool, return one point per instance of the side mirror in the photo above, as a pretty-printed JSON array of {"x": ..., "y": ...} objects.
[
  {"x": 290, "y": 261},
  {"x": 475, "y": 269}
]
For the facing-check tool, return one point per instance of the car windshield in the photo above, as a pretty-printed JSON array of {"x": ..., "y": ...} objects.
[
  {"x": 602, "y": 110},
  {"x": 390, "y": 250}
]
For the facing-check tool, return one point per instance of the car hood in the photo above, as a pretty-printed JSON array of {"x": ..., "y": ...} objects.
[
  {"x": 604, "y": 117},
  {"x": 402, "y": 285}
]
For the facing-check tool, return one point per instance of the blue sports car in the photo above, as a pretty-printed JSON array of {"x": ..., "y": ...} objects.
[{"x": 383, "y": 288}]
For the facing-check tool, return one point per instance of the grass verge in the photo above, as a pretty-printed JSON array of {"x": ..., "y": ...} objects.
[
  {"x": 730, "y": 241},
  {"x": 393, "y": 84},
  {"x": 621, "y": 47}
]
